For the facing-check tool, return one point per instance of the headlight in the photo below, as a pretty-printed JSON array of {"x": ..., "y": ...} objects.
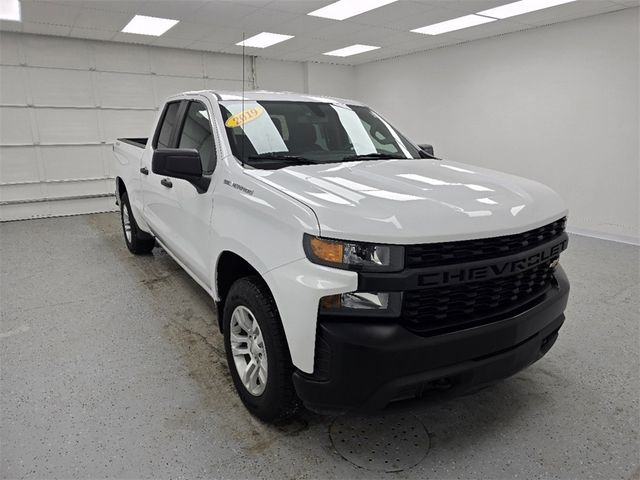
[
  {"x": 366, "y": 257},
  {"x": 367, "y": 304}
]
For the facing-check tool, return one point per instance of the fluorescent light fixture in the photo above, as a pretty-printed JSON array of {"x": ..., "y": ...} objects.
[
  {"x": 143, "y": 25},
  {"x": 523, "y": 6},
  {"x": 264, "y": 40},
  {"x": 348, "y": 8},
  {"x": 10, "y": 10},
  {"x": 454, "y": 24},
  {"x": 352, "y": 50}
]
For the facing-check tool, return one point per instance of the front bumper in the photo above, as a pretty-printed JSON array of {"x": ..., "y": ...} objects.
[{"x": 366, "y": 365}]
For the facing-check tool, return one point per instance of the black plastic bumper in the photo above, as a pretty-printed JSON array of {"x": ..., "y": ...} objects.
[{"x": 365, "y": 365}]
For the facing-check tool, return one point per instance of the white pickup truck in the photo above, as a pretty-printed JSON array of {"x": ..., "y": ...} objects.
[{"x": 351, "y": 268}]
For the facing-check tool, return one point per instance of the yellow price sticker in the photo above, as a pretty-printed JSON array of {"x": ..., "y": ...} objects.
[{"x": 243, "y": 117}]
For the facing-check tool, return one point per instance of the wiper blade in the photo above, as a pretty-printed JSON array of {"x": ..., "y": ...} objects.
[
  {"x": 281, "y": 157},
  {"x": 375, "y": 156}
]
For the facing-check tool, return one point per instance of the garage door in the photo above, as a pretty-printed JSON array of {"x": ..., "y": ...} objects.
[{"x": 63, "y": 102}]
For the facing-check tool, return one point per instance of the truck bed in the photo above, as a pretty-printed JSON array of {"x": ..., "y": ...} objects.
[{"x": 128, "y": 153}]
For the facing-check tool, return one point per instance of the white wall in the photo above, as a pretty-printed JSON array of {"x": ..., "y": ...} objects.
[
  {"x": 280, "y": 75},
  {"x": 313, "y": 78},
  {"x": 64, "y": 101},
  {"x": 558, "y": 104},
  {"x": 332, "y": 80}
]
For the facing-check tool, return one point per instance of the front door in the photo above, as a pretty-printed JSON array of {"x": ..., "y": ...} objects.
[
  {"x": 192, "y": 217},
  {"x": 180, "y": 214}
]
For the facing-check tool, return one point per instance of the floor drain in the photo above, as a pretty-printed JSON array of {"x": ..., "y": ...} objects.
[{"x": 387, "y": 443}]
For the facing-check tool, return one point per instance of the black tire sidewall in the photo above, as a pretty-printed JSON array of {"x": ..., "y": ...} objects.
[
  {"x": 124, "y": 203},
  {"x": 269, "y": 405},
  {"x": 141, "y": 243}
]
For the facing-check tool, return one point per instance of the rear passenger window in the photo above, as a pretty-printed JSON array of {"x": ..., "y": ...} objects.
[
  {"x": 168, "y": 123},
  {"x": 197, "y": 134}
]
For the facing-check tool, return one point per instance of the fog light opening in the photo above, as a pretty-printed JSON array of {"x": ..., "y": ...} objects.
[{"x": 386, "y": 304}]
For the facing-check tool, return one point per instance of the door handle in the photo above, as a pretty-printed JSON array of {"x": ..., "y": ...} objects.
[
  {"x": 166, "y": 182},
  {"x": 144, "y": 171}
]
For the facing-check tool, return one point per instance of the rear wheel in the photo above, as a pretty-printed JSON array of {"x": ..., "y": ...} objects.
[
  {"x": 257, "y": 351},
  {"x": 138, "y": 242}
]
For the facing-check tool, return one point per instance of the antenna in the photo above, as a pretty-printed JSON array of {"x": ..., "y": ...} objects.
[{"x": 242, "y": 114}]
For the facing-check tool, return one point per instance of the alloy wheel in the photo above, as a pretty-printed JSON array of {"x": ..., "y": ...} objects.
[{"x": 248, "y": 350}]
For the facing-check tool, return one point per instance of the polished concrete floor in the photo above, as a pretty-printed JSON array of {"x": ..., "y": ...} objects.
[{"x": 112, "y": 367}]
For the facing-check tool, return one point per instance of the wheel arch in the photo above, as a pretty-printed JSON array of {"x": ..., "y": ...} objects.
[
  {"x": 230, "y": 267},
  {"x": 120, "y": 189}
]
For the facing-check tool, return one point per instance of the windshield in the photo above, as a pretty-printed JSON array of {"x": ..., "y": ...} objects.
[{"x": 274, "y": 134}]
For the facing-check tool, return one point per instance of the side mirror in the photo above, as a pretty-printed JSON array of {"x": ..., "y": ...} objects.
[
  {"x": 428, "y": 149},
  {"x": 181, "y": 163}
]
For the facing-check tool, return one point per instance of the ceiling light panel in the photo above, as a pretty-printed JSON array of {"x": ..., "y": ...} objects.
[
  {"x": 352, "y": 50},
  {"x": 10, "y": 10},
  {"x": 521, "y": 7},
  {"x": 143, "y": 25},
  {"x": 454, "y": 24},
  {"x": 348, "y": 8},
  {"x": 264, "y": 40}
]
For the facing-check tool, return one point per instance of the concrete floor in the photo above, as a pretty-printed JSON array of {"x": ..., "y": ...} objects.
[{"x": 112, "y": 367}]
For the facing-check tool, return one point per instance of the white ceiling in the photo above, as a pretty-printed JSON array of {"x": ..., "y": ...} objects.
[{"x": 217, "y": 25}]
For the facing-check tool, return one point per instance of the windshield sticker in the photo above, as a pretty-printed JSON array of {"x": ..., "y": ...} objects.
[
  {"x": 259, "y": 129},
  {"x": 359, "y": 137},
  {"x": 243, "y": 117}
]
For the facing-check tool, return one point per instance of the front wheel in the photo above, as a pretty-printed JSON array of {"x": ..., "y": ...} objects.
[
  {"x": 138, "y": 242},
  {"x": 257, "y": 351}
]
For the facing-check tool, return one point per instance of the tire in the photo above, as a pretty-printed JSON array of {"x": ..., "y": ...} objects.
[
  {"x": 273, "y": 399},
  {"x": 138, "y": 242}
]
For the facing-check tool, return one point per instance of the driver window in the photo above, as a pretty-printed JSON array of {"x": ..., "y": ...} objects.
[{"x": 197, "y": 134}]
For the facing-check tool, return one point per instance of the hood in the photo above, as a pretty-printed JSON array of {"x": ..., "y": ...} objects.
[{"x": 415, "y": 201}]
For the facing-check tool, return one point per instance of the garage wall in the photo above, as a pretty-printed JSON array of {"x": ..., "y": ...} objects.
[
  {"x": 62, "y": 104},
  {"x": 332, "y": 80},
  {"x": 558, "y": 104},
  {"x": 64, "y": 101},
  {"x": 280, "y": 75},
  {"x": 309, "y": 77}
]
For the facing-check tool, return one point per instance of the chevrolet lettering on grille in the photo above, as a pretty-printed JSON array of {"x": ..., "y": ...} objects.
[{"x": 493, "y": 269}]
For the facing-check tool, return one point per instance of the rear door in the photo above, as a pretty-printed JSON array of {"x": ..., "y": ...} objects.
[{"x": 159, "y": 199}]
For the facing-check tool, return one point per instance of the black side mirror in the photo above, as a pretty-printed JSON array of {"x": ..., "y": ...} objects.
[
  {"x": 428, "y": 149},
  {"x": 181, "y": 163}
]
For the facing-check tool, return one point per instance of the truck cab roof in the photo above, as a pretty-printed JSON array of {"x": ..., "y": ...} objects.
[{"x": 266, "y": 95}]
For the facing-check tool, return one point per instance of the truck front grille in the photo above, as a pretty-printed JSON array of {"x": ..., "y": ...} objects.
[
  {"x": 449, "y": 253},
  {"x": 447, "y": 308},
  {"x": 443, "y": 309}
]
